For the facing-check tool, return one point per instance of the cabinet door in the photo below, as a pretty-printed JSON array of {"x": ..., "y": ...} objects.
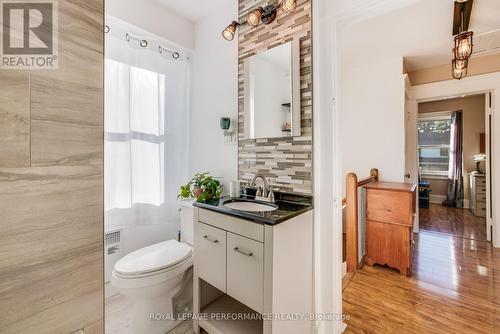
[
  {"x": 211, "y": 255},
  {"x": 245, "y": 271}
]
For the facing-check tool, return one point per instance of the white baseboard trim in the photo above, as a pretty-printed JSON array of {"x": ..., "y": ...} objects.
[{"x": 438, "y": 199}]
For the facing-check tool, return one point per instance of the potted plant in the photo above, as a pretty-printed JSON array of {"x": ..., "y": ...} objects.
[{"x": 202, "y": 187}]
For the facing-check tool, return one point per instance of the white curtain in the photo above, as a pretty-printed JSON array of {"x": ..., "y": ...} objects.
[{"x": 146, "y": 135}]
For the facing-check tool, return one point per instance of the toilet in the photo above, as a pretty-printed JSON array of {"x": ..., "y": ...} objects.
[{"x": 158, "y": 280}]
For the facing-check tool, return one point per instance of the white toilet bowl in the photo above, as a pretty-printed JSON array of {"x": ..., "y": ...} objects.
[{"x": 158, "y": 281}]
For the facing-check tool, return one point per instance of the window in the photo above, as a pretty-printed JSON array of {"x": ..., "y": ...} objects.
[
  {"x": 434, "y": 145},
  {"x": 134, "y": 139}
]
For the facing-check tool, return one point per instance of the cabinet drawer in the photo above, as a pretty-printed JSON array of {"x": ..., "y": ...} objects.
[
  {"x": 481, "y": 181},
  {"x": 245, "y": 271},
  {"x": 481, "y": 197},
  {"x": 481, "y": 209},
  {"x": 239, "y": 226},
  {"x": 390, "y": 206},
  {"x": 210, "y": 250},
  {"x": 481, "y": 190}
]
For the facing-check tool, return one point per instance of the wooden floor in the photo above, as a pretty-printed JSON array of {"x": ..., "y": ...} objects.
[
  {"x": 455, "y": 288},
  {"x": 458, "y": 222}
]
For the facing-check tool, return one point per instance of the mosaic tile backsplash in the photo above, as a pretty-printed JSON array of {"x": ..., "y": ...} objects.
[{"x": 286, "y": 162}]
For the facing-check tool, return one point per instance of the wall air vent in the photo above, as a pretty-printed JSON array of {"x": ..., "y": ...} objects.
[{"x": 112, "y": 252}]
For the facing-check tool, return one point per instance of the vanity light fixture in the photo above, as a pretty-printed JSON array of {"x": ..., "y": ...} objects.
[
  {"x": 230, "y": 31},
  {"x": 259, "y": 15}
]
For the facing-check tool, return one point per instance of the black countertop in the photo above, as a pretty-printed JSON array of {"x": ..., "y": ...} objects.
[{"x": 288, "y": 206}]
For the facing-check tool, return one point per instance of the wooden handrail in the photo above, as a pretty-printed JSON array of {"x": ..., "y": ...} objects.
[{"x": 351, "y": 206}]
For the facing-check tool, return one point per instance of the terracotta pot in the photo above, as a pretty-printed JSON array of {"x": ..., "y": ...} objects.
[{"x": 197, "y": 192}]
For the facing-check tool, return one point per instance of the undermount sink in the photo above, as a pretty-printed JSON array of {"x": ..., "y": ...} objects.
[{"x": 250, "y": 206}]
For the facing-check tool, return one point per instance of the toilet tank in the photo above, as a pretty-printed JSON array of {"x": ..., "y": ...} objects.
[{"x": 187, "y": 218}]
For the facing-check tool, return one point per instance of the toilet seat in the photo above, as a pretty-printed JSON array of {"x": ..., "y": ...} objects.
[{"x": 157, "y": 259}]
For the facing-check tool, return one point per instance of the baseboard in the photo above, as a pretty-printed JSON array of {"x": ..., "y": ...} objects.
[{"x": 438, "y": 199}]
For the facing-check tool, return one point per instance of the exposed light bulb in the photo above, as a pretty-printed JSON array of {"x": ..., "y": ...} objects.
[
  {"x": 463, "y": 45},
  {"x": 230, "y": 31},
  {"x": 254, "y": 16},
  {"x": 288, "y": 6}
]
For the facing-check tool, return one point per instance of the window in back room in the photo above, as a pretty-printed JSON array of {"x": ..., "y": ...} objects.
[{"x": 434, "y": 144}]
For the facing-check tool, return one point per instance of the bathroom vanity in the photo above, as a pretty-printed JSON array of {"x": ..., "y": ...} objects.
[{"x": 253, "y": 264}]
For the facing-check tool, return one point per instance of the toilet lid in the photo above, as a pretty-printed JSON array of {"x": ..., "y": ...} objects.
[{"x": 153, "y": 258}]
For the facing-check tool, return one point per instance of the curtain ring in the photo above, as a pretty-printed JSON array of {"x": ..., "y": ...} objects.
[
  {"x": 106, "y": 29},
  {"x": 175, "y": 55},
  {"x": 127, "y": 37},
  {"x": 143, "y": 43}
]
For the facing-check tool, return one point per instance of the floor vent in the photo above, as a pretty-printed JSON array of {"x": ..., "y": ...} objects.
[{"x": 111, "y": 252}]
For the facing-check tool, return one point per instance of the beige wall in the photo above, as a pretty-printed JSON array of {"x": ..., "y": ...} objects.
[
  {"x": 477, "y": 66},
  {"x": 473, "y": 108},
  {"x": 51, "y": 184}
]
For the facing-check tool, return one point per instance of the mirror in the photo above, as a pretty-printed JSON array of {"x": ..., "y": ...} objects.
[{"x": 272, "y": 93}]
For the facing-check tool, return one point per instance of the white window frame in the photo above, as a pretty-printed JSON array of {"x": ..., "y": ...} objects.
[{"x": 433, "y": 116}]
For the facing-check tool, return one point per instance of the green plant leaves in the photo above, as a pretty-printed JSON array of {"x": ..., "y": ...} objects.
[{"x": 211, "y": 188}]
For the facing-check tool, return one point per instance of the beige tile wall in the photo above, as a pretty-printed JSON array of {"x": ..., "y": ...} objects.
[{"x": 51, "y": 184}]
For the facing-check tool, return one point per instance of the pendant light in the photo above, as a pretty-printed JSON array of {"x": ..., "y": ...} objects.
[
  {"x": 458, "y": 73},
  {"x": 463, "y": 45}
]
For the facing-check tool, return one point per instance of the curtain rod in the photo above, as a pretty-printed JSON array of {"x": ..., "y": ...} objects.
[{"x": 144, "y": 43}]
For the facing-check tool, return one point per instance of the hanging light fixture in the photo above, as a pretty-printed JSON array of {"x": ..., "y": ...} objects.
[
  {"x": 288, "y": 6},
  {"x": 463, "y": 45},
  {"x": 230, "y": 31},
  {"x": 254, "y": 16},
  {"x": 461, "y": 64},
  {"x": 457, "y": 71}
]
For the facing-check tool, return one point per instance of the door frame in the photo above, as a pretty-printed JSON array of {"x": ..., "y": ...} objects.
[{"x": 480, "y": 84}]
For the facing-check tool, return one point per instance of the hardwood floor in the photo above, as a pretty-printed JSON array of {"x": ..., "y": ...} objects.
[
  {"x": 454, "y": 288},
  {"x": 458, "y": 222}
]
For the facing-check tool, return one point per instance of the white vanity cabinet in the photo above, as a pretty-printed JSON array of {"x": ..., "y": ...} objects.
[{"x": 245, "y": 267}]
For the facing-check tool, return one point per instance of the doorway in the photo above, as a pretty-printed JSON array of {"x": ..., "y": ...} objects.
[{"x": 452, "y": 136}]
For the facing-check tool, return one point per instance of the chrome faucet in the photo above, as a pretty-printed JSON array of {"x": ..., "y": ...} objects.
[
  {"x": 260, "y": 176},
  {"x": 267, "y": 193}
]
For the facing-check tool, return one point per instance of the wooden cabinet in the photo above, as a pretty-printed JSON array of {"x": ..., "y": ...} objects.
[
  {"x": 478, "y": 194},
  {"x": 390, "y": 212}
]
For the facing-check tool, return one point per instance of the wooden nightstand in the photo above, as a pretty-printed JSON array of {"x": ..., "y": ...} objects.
[{"x": 390, "y": 212}]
